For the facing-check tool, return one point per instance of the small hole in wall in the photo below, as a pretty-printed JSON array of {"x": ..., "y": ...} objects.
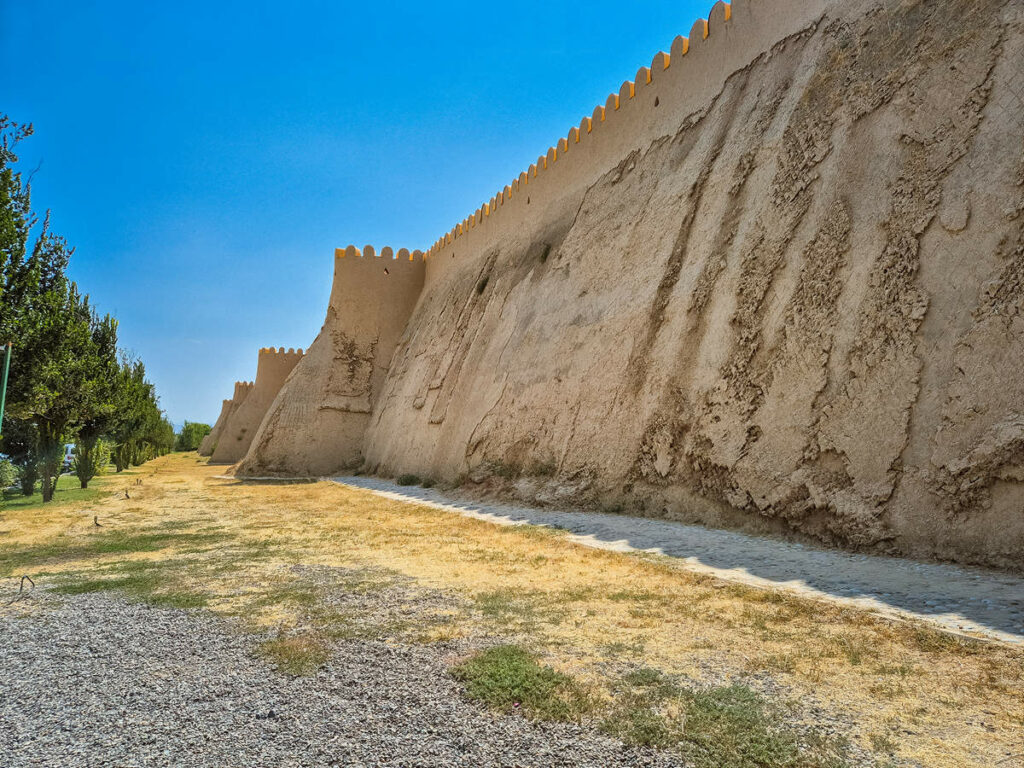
[
  {"x": 657, "y": 101},
  {"x": 386, "y": 271},
  {"x": 527, "y": 199}
]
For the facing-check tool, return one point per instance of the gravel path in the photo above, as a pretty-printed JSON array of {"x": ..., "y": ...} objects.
[
  {"x": 96, "y": 681},
  {"x": 972, "y": 600}
]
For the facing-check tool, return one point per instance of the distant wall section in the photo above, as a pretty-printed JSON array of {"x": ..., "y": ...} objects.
[
  {"x": 272, "y": 369},
  {"x": 242, "y": 391},
  {"x": 210, "y": 440},
  {"x": 317, "y": 422}
]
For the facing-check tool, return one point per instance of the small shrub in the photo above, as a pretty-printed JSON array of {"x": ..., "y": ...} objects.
[
  {"x": 91, "y": 459},
  {"x": 8, "y": 474},
  {"x": 508, "y": 678},
  {"x": 408, "y": 480}
]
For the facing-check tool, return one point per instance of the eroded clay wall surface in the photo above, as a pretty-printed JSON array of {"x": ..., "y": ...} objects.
[
  {"x": 209, "y": 442},
  {"x": 272, "y": 369},
  {"x": 242, "y": 391},
  {"x": 791, "y": 295},
  {"x": 317, "y": 422}
]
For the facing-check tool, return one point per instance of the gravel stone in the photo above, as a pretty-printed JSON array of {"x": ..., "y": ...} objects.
[{"x": 96, "y": 681}]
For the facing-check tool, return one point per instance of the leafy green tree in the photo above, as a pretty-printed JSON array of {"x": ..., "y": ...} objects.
[
  {"x": 16, "y": 218},
  {"x": 42, "y": 311},
  {"x": 8, "y": 474},
  {"x": 191, "y": 435},
  {"x": 66, "y": 379},
  {"x": 161, "y": 439},
  {"x": 99, "y": 407},
  {"x": 91, "y": 460},
  {"x": 131, "y": 393},
  {"x": 140, "y": 431},
  {"x": 71, "y": 355},
  {"x": 21, "y": 444}
]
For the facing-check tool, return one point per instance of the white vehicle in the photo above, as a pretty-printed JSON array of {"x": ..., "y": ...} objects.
[{"x": 69, "y": 457}]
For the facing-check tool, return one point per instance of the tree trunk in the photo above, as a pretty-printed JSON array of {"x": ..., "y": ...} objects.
[{"x": 51, "y": 451}]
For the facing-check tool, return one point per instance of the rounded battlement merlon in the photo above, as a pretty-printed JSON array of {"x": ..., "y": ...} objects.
[
  {"x": 365, "y": 277},
  {"x": 387, "y": 253},
  {"x": 242, "y": 389},
  {"x": 279, "y": 352}
]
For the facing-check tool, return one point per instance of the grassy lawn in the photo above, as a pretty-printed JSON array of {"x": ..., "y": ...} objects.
[
  {"x": 727, "y": 675},
  {"x": 69, "y": 491}
]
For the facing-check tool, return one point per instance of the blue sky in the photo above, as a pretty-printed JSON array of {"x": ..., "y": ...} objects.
[{"x": 206, "y": 158}]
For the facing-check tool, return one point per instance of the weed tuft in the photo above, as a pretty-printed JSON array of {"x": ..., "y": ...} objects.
[
  {"x": 733, "y": 727},
  {"x": 725, "y": 727},
  {"x": 509, "y": 678},
  {"x": 296, "y": 655}
]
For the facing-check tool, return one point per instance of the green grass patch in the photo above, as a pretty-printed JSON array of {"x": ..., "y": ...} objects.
[
  {"x": 508, "y": 678},
  {"x": 297, "y": 655},
  {"x": 649, "y": 678},
  {"x": 733, "y": 727},
  {"x": 141, "y": 581},
  {"x": 71, "y": 548},
  {"x": 68, "y": 492},
  {"x": 723, "y": 727},
  {"x": 637, "y": 723},
  {"x": 177, "y": 598}
]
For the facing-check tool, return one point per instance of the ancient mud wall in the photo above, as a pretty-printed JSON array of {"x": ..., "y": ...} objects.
[
  {"x": 317, "y": 423},
  {"x": 272, "y": 369},
  {"x": 210, "y": 440},
  {"x": 777, "y": 280},
  {"x": 242, "y": 391}
]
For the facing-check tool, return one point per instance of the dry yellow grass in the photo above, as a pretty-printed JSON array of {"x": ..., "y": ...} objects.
[{"x": 932, "y": 698}]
